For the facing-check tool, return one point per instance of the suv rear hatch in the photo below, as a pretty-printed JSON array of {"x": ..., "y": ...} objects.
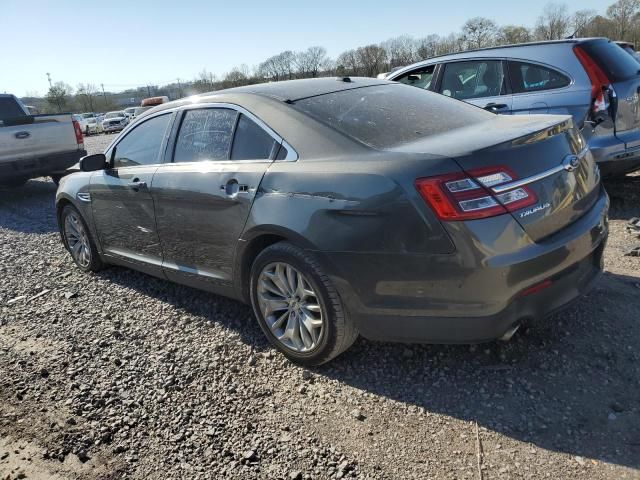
[
  {"x": 615, "y": 80},
  {"x": 536, "y": 168}
]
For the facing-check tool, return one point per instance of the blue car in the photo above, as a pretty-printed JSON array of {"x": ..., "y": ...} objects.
[{"x": 593, "y": 79}]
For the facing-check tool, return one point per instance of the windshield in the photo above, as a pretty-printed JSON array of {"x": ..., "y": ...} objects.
[
  {"x": 388, "y": 115},
  {"x": 114, "y": 114},
  {"x": 139, "y": 110}
]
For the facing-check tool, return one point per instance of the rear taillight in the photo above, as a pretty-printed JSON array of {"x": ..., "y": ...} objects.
[
  {"x": 469, "y": 196},
  {"x": 78, "y": 130},
  {"x": 600, "y": 83}
]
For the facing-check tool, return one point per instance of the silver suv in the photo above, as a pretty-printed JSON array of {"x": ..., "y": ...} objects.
[{"x": 594, "y": 80}]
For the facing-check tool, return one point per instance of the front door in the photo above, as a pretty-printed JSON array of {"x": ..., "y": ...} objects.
[
  {"x": 122, "y": 206},
  {"x": 479, "y": 82},
  {"x": 204, "y": 196}
]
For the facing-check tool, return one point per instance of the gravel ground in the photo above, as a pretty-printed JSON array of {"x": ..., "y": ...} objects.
[{"x": 121, "y": 375}]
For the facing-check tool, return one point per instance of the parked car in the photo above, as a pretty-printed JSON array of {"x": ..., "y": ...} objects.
[
  {"x": 94, "y": 126},
  {"x": 593, "y": 80},
  {"x": 630, "y": 49},
  {"x": 338, "y": 207},
  {"x": 35, "y": 145},
  {"x": 114, "y": 121},
  {"x": 130, "y": 111},
  {"x": 85, "y": 125}
]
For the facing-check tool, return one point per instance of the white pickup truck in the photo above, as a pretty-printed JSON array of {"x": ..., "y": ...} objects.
[{"x": 36, "y": 145}]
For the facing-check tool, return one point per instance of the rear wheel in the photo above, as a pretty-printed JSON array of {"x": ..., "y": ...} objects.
[
  {"x": 298, "y": 307},
  {"x": 77, "y": 239}
]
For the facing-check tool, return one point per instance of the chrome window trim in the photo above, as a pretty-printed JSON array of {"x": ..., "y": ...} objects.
[
  {"x": 539, "y": 176},
  {"x": 292, "y": 155}
]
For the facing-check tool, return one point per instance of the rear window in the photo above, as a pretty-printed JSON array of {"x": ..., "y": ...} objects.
[
  {"x": 528, "y": 77},
  {"x": 9, "y": 108},
  {"x": 617, "y": 64},
  {"x": 388, "y": 115}
]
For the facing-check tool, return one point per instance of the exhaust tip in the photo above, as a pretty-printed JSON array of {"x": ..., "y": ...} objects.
[{"x": 509, "y": 333}]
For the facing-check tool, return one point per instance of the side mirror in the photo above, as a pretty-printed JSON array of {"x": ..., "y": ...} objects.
[{"x": 93, "y": 163}]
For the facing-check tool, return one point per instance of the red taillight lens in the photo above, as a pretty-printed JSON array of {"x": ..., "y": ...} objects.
[
  {"x": 536, "y": 288},
  {"x": 600, "y": 83},
  {"x": 78, "y": 130},
  {"x": 462, "y": 196}
]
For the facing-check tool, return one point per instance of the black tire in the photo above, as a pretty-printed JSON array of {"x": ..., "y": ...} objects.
[
  {"x": 338, "y": 331},
  {"x": 95, "y": 262},
  {"x": 86, "y": 130}
]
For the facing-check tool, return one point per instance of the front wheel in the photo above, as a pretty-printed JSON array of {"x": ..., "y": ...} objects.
[
  {"x": 78, "y": 241},
  {"x": 297, "y": 306}
]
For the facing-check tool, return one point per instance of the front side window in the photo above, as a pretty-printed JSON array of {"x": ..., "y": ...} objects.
[
  {"x": 473, "y": 79},
  {"x": 420, "y": 78},
  {"x": 251, "y": 142},
  {"x": 141, "y": 146},
  {"x": 528, "y": 77},
  {"x": 205, "y": 134}
]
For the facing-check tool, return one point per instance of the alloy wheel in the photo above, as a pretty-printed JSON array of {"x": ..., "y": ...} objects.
[
  {"x": 77, "y": 240},
  {"x": 290, "y": 307}
]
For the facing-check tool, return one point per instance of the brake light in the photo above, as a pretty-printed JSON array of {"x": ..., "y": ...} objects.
[
  {"x": 78, "y": 130},
  {"x": 600, "y": 83},
  {"x": 462, "y": 196}
]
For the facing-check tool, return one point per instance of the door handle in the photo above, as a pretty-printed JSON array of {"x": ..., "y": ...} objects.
[
  {"x": 494, "y": 107},
  {"x": 22, "y": 135},
  {"x": 137, "y": 184},
  {"x": 233, "y": 188}
]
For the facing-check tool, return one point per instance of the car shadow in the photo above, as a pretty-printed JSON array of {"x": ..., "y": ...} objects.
[
  {"x": 568, "y": 384},
  {"x": 624, "y": 194},
  {"x": 21, "y": 207}
]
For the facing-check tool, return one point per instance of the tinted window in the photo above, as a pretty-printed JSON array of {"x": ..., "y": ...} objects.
[
  {"x": 527, "y": 77},
  {"x": 205, "y": 134},
  {"x": 141, "y": 146},
  {"x": 282, "y": 153},
  {"x": 251, "y": 142},
  {"x": 420, "y": 78},
  {"x": 477, "y": 79},
  {"x": 9, "y": 108},
  {"x": 388, "y": 115},
  {"x": 616, "y": 63}
]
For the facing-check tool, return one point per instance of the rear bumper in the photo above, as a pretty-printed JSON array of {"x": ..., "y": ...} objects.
[
  {"x": 614, "y": 159},
  {"x": 459, "y": 305},
  {"x": 36, "y": 167}
]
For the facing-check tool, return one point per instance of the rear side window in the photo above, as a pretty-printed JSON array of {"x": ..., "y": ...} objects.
[
  {"x": 475, "y": 79},
  {"x": 205, "y": 134},
  {"x": 251, "y": 142},
  {"x": 141, "y": 146},
  {"x": 528, "y": 77},
  {"x": 420, "y": 78},
  {"x": 9, "y": 108},
  {"x": 614, "y": 61},
  {"x": 389, "y": 115}
]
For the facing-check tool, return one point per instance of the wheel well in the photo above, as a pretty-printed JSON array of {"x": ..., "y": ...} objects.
[
  {"x": 63, "y": 202},
  {"x": 250, "y": 253}
]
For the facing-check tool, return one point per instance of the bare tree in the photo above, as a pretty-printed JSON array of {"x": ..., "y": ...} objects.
[
  {"x": 428, "y": 47},
  {"x": 348, "y": 63},
  {"x": 309, "y": 62},
  {"x": 512, "y": 34},
  {"x": 372, "y": 60},
  {"x": 623, "y": 13},
  {"x": 86, "y": 93},
  {"x": 553, "y": 23},
  {"x": 401, "y": 50},
  {"x": 581, "y": 20},
  {"x": 479, "y": 32}
]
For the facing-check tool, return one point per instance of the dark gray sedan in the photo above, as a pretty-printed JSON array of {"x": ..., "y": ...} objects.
[{"x": 348, "y": 206}]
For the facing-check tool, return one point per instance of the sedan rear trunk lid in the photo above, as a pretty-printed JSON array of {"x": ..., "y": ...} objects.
[{"x": 544, "y": 153}]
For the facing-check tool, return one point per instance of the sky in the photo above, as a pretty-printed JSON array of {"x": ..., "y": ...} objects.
[{"x": 125, "y": 44}]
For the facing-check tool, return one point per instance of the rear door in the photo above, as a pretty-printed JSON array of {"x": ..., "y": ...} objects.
[
  {"x": 539, "y": 89},
  {"x": 623, "y": 72},
  {"x": 204, "y": 196},
  {"x": 479, "y": 82}
]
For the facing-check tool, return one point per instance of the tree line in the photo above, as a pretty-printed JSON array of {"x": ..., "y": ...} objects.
[{"x": 620, "y": 22}]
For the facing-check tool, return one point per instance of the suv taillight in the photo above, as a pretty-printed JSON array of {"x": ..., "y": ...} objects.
[
  {"x": 600, "y": 83},
  {"x": 78, "y": 130},
  {"x": 468, "y": 196}
]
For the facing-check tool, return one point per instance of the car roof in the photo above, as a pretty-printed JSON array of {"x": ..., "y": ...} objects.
[{"x": 494, "y": 51}]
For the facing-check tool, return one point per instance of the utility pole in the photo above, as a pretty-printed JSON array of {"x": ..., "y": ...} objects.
[
  {"x": 104, "y": 96},
  {"x": 49, "y": 78}
]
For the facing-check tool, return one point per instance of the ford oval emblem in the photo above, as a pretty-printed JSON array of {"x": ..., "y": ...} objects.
[{"x": 571, "y": 163}]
